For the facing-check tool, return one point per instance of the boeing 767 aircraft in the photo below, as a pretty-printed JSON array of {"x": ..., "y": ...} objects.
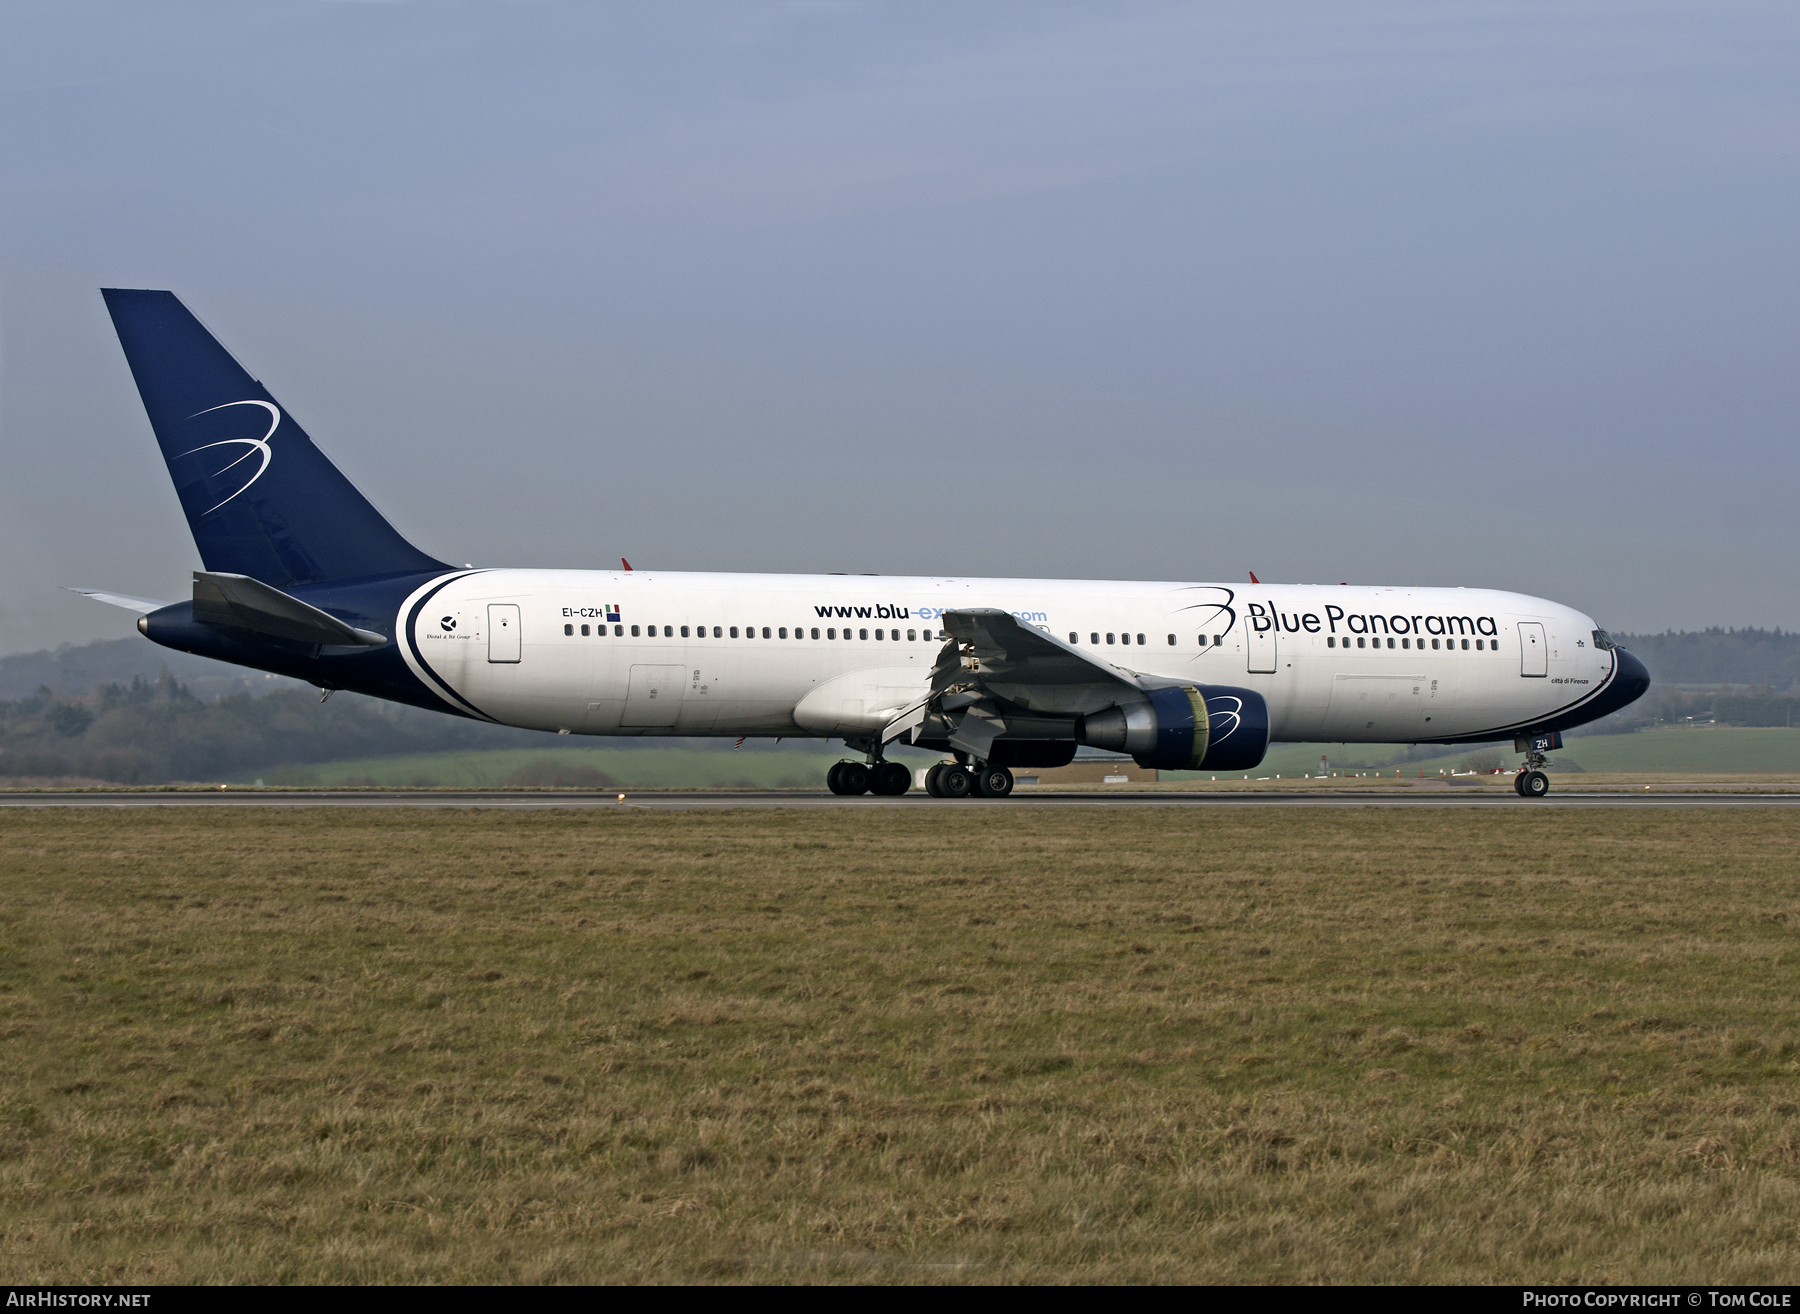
[{"x": 305, "y": 578}]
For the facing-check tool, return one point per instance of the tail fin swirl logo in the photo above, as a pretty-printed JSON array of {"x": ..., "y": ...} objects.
[{"x": 258, "y": 447}]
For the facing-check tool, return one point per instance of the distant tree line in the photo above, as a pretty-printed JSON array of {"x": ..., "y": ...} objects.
[
  {"x": 1768, "y": 659},
  {"x": 149, "y": 732}
]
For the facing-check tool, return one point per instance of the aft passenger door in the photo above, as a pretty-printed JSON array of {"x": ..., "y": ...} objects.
[
  {"x": 1534, "y": 655},
  {"x": 503, "y": 632}
]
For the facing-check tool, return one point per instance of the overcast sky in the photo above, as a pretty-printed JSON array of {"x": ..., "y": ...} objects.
[{"x": 1435, "y": 293}]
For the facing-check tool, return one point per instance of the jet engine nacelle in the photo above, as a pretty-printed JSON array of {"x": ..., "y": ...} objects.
[{"x": 1204, "y": 727}]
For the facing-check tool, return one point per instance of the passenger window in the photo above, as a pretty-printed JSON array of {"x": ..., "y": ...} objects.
[
  {"x": 1406, "y": 643},
  {"x": 815, "y": 634},
  {"x": 1218, "y": 639},
  {"x": 1073, "y": 637},
  {"x": 1109, "y": 638},
  {"x": 1360, "y": 641},
  {"x": 1140, "y": 641},
  {"x": 734, "y": 631},
  {"x": 584, "y": 630},
  {"x": 1465, "y": 645},
  {"x": 1330, "y": 642},
  {"x": 684, "y": 631},
  {"x": 1171, "y": 640},
  {"x": 877, "y": 634},
  {"x": 568, "y": 629},
  {"x": 782, "y": 632},
  {"x": 1434, "y": 644},
  {"x": 1478, "y": 645},
  {"x": 863, "y": 634},
  {"x": 831, "y": 634},
  {"x": 765, "y": 631},
  {"x": 1093, "y": 638},
  {"x": 634, "y": 631},
  {"x": 618, "y": 631},
  {"x": 1202, "y": 640}
]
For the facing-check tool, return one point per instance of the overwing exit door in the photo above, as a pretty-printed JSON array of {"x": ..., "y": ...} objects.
[
  {"x": 1534, "y": 655},
  {"x": 503, "y": 631}
]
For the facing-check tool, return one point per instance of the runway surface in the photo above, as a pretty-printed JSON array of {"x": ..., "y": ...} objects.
[{"x": 684, "y": 801}]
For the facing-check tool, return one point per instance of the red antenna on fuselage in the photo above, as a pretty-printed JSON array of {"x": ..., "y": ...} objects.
[
  {"x": 624, "y": 563},
  {"x": 1253, "y": 578}
]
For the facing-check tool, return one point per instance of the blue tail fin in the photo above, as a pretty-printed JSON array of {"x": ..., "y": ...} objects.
[{"x": 261, "y": 499}]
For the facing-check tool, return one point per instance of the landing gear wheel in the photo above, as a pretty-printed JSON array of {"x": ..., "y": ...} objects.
[
  {"x": 892, "y": 779},
  {"x": 1519, "y": 784},
  {"x": 931, "y": 780},
  {"x": 853, "y": 778},
  {"x": 1534, "y": 784},
  {"x": 993, "y": 782},
  {"x": 955, "y": 781},
  {"x": 832, "y": 778}
]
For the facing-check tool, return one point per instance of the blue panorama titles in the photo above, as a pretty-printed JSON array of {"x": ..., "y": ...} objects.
[{"x": 1263, "y": 619}]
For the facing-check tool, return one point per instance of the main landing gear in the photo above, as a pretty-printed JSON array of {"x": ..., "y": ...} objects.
[
  {"x": 886, "y": 778},
  {"x": 943, "y": 780},
  {"x": 957, "y": 780}
]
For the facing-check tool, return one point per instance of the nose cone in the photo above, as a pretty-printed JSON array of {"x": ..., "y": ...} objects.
[{"x": 1633, "y": 680}]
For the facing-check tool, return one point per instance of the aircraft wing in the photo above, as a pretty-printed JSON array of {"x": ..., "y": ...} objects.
[
  {"x": 997, "y": 673},
  {"x": 1027, "y": 666}
]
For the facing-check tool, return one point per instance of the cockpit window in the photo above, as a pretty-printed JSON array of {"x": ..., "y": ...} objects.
[{"x": 1603, "y": 640}]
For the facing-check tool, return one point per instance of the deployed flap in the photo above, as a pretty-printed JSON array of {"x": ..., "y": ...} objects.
[
  {"x": 142, "y": 606},
  {"x": 241, "y": 603},
  {"x": 1028, "y": 667}
]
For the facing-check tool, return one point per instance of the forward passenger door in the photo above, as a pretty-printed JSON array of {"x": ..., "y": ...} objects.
[
  {"x": 1534, "y": 654},
  {"x": 1261, "y": 644}
]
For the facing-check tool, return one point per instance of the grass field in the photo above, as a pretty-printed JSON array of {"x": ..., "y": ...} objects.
[{"x": 926, "y": 1046}]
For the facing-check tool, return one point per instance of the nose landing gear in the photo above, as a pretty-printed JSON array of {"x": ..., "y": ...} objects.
[{"x": 1531, "y": 782}]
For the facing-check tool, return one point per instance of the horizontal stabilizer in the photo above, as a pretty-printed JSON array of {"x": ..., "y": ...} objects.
[
  {"x": 142, "y": 606},
  {"x": 237, "y": 602}
]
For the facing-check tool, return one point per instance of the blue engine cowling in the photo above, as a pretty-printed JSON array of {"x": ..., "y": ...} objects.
[{"x": 1206, "y": 727}]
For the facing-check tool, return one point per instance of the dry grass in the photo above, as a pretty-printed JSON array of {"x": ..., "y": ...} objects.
[{"x": 899, "y": 1046}]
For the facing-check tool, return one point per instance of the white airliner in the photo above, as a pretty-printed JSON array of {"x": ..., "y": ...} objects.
[{"x": 304, "y": 578}]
